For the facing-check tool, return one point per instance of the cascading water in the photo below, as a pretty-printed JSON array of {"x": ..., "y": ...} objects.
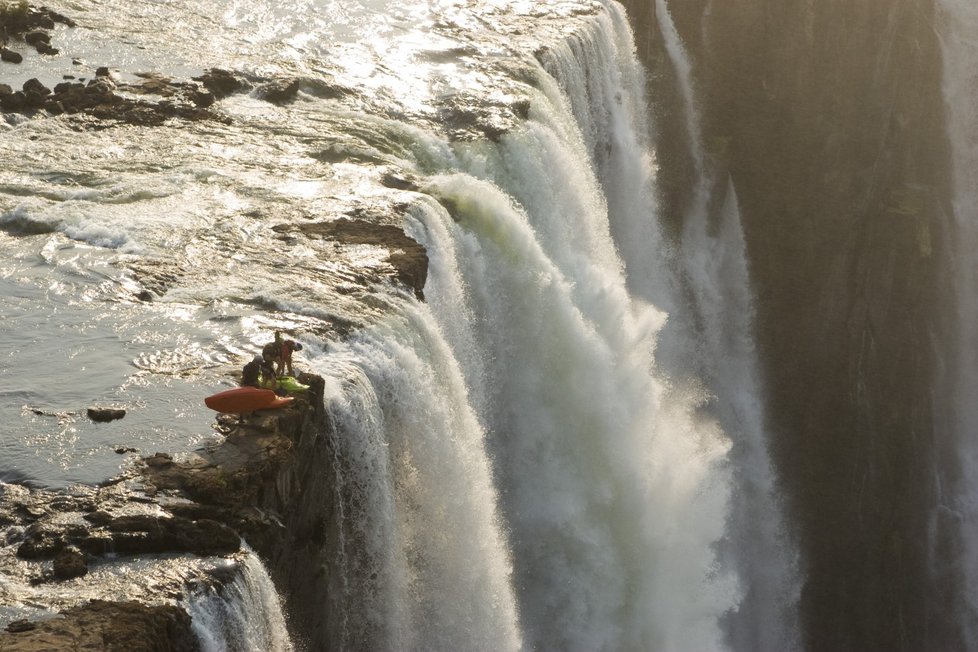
[
  {"x": 955, "y": 517},
  {"x": 425, "y": 563},
  {"x": 611, "y": 492},
  {"x": 715, "y": 275},
  {"x": 517, "y": 468},
  {"x": 605, "y": 87},
  {"x": 594, "y": 467},
  {"x": 244, "y": 614}
]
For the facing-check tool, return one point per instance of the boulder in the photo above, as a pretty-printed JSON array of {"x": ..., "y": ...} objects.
[
  {"x": 222, "y": 82},
  {"x": 280, "y": 91},
  {"x": 69, "y": 564},
  {"x": 22, "y": 625},
  {"x": 10, "y": 56},
  {"x": 103, "y": 415},
  {"x": 35, "y": 86},
  {"x": 37, "y": 36},
  {"x": 15, "y": 101},
  {"x": 203, "y": 99},
  {"x": 40, "y": 543}
]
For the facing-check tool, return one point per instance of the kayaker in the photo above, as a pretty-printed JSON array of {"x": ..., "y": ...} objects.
[
  {"x": 251, "y": 372},
  {"x": 285, "y": 357},
  {"x": 258, "y": 373},
  {"x": 272, "y": 352}
]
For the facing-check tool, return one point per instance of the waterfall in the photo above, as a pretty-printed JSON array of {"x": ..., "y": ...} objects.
[
  {"x": 244, "y": 614},
  {"x": 958, "y": 511},
  {"x": 719, "y": 309},
  {"x": 424, "y": 560},
  {"x": 517, "y": 469},
  {"x": 597, "y": 71},
  {"x": 599, "y": 458},
  {"x": 611, "y": 489}
]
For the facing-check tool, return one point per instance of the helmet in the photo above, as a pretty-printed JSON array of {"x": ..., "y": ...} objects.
[{"x": 298, "y": 346}]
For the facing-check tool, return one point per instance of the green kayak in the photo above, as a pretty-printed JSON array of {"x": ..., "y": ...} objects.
[{"x": 291, "y": 385}]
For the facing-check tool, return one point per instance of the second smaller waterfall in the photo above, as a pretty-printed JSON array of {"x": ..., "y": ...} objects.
[{"x": 244, "y": 614}]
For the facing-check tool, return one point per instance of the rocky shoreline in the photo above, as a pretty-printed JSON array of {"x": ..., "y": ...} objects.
[
  {"x": 105, "y": 99},
  {"x": 247, "y": 488}
]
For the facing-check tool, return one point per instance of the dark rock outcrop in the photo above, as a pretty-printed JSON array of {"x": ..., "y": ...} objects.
[
  {"x": 222, "y": 83},
  {"x": 104, "y": 414},
  {"x": 31, "y": 24},
  {"x": 272, "y": 480},
  {"x": 8, "y": 55},
  {"x": 69, "y": 564},
  {"x": 102, "y": 99},
  {"x": 106, "y": 627},
  {"x": 407, "y": 256}
]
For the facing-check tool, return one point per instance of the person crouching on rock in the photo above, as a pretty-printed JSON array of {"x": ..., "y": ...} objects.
[
  {"x": 252, "y": 371},
  {"x": 259, "y": 373}
]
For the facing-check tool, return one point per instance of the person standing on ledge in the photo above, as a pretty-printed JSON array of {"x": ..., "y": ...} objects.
[
  {"x": 285, "y": 357},
  {"x": 280, "y": 353}
]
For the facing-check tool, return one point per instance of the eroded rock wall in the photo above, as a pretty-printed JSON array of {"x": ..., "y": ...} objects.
[
  {"x": 273, "y": 481},
  {"x": 829, "y": 117}
]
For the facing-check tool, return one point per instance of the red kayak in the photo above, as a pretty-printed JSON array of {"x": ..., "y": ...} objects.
[{"x": 242, "y": 400}]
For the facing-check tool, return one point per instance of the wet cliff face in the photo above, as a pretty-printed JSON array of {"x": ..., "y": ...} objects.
[{"x": 829, "y": 118}]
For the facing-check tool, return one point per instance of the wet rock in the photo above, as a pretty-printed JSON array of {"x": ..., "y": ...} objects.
[
  {"x": 280, "y": 91},
  {"x": 158, "y": 460},
  {"x": 40, "y": 543},
  {"x": 15, "y": 101},
  {"x": 54, "y": 107},
  {"x": 222, "y": 83},
  {"x": 150, "y": 535},
  {"x": 37, "y": 36},
  {"x": 104, "y": 415},
  {"x": 122, "y": 450},
  {"x": 102, "y": 71},
  {"x": 97, "y": 545},
  {"x": 34, "y": 85},
  {"x": 98, "y": 517},
  {"x": 22, "y": 625},
  {"x": 408, "y": 258},
  {"x": 67, "y": 87},
  {"x": 69, "y": 564},
  {"x": 10, "y": 56},
  {"x": 203, "y": 99},
  {"x": 20, "y": 19},
  {"x": 99, "y": 100},
  {"x": 398, "y": 182},
  {"x": 473, "y": 118},
  {"x": 107, "y": 627}
]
